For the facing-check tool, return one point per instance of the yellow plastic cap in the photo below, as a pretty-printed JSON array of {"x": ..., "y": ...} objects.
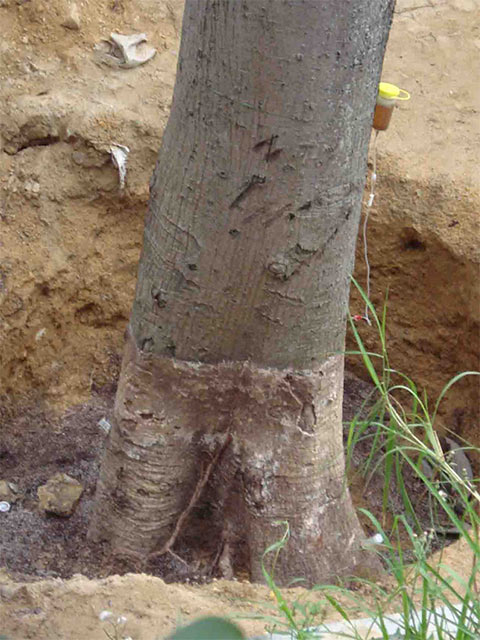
[{"x": 392, "y": 92}]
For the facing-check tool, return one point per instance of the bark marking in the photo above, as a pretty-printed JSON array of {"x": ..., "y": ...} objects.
[{"x": 254, "y": 180}]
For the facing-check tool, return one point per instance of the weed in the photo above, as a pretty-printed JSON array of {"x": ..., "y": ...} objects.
[{"x": 114, "y": 625}]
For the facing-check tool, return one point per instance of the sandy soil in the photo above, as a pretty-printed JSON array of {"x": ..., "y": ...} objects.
[
  {"x": 70, "y": 242},
  {"x": 60, "y": 609}
]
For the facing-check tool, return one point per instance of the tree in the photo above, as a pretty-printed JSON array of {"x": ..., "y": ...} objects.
[{"x": 229, "y": 400}]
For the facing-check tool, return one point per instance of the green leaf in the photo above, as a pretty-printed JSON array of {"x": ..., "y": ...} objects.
[{"x": 209, "y": 629}]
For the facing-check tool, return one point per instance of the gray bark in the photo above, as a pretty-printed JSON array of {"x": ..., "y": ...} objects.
[{"x": 241, "y": 301}]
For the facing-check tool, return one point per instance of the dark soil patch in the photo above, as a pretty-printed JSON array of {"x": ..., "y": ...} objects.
[{"x": 34, "y": 446}]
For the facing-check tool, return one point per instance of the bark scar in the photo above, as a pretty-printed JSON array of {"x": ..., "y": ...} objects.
[
  {"x": 271, "y": 152},
  {"x": 254, "y": 180},
  {"x": 307, "y": 418},
  {"x": 271, "y": 142}
]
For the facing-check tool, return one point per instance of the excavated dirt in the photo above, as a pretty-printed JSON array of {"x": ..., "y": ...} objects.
[
  {"x": 70, "y": 242},
  {"x": 60, "y": 609},
  {"x": 423, "y": 232}
]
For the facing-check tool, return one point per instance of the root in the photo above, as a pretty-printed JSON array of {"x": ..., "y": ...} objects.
[{"x": 204, "y": 478}]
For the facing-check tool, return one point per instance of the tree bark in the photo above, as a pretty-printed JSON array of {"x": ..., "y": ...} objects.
[{"x": 233, "y": 353}]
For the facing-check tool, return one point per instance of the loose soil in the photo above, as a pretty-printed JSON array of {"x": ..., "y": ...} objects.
[
  {"x": 60, "y": 609},
  {"x": 69, "y": 247}
]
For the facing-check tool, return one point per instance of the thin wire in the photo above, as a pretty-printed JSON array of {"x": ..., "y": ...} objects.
[{"x": 371, "y": 197}]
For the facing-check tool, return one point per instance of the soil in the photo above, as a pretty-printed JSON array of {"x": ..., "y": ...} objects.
[
  {"x": 59, "y": 609},
  {"x": 69, "y": 247}
]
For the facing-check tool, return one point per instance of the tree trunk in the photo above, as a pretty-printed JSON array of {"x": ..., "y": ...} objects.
[{"x": 231, "y": 385}]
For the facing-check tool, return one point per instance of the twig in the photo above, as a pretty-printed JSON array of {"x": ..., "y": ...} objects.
[
  {"x": 177, "y": 557},
  {"x": 167, "y": 547}
]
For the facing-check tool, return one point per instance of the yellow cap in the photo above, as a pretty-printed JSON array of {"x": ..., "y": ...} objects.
[{"x": 392, "y": 92}]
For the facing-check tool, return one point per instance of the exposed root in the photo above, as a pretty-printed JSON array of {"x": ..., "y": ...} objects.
[
  {"x": 167, "y": 547},
  {"x": 174, "y": 555}
]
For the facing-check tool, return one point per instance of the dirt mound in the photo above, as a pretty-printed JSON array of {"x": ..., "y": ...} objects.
[{"x": 70, "y": 608}]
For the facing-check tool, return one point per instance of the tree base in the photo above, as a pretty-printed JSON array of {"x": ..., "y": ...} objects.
[{"x": 248, "y": 446}]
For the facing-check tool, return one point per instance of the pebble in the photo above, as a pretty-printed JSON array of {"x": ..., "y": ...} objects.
[
  {"x": 104, "y": 425},
  {"x": 9, "y": 491},
  {"x": 72, "y": 19},
  {"x": 60, "y": 495}
]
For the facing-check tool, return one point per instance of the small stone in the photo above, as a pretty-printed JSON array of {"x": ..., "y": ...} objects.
[
  {"x": 9, "y": 491},
  {"x": 32, "y": 189},
  {"x": 78, "y": 157},
  {"x": 72, "y": 20},
  {"x": 60, "y": 495},
  {"x": 104, "y": 425}
]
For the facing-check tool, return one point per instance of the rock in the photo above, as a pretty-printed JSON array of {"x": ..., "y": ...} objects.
[
  {"x": 104, "y": 425},
  {"x": 9, "y": 491},
  {"x": 31, "y": 189},
  {"x": 60, "y": 495},
  {"x": 72, "y": 19}
]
